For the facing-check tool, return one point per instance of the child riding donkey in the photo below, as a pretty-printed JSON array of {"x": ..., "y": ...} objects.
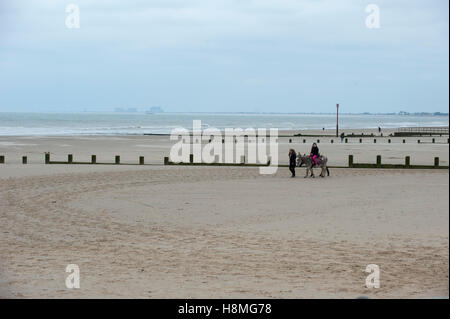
[
  {"x": 313, "y": 160},
  {"x": 314, "y": 154}
]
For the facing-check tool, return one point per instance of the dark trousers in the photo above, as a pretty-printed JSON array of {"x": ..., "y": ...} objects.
[{"x": 292, "y": 169}]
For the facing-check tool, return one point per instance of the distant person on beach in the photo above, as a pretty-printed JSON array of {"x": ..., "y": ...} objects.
[
  {"x": 379, "y": 129},
  {"x": 314, "y": 153},
  {"x": 292, "y": 161},
  {"x": 342, "y": 137}
]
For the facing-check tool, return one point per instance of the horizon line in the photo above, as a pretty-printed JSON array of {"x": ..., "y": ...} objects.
[{"x": 403, "y": 113}]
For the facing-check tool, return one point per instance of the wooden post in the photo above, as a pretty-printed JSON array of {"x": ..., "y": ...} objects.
[
  {"x": 407, "y": 161},
  {"x": 141, "y": 160},
  {"x": 418, "y": 141},
  {"x": 378, "y": 160},
  {"x": 166, "y": 160},
  {"x": 117, "y": 159},
  {"x": 70, "y": 158},
  {"x": 318, "y": 141},
  {"x": 24, "y": 160},
  {"x": 332, "y": 141},
  {"x": 433, "y": 140},
  {"x": 436, "y": 162},
  {"x": 360, "y": 140},
  {"x": 337, "y": 120},
  {"x": 389, "y": 141},
  {"x": 47, "y": 158},
  {"x": 93, "y": 159},
  {"x": 191, "y": 158},
  {"x": 404, "y": 141},
  {"x": 346, "y": 140},
  {"x": 2, "y": 159},
  {"x": 290, "y": 140},
  {"x": 304, "y": 141},
  {"x": 350, "y": 161},
  {"x": 374, "y": 140}
]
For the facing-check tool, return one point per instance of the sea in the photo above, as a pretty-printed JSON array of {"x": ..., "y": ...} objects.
[{"x": 60, "y": 124}]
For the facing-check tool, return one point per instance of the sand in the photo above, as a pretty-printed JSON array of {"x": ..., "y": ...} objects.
[{"x": 219, "y": 232}]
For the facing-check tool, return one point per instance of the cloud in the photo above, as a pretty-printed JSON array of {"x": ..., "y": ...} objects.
[
  {"x": 174, "y": 23},
  {"x": 258, "y": 49}
]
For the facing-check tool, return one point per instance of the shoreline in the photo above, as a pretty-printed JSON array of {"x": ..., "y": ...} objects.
[{"x": 282, "y": 133}]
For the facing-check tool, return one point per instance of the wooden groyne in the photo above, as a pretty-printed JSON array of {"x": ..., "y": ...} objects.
[
  {"x": 141, "y": 161},
  {"x": 421, "y": 131},
  {"x": 406, "y": 164}
]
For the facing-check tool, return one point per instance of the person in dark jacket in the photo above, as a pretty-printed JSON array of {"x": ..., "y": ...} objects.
[
  {"x": 292, "y": 161},
  {"x": 314, "y": 153}
]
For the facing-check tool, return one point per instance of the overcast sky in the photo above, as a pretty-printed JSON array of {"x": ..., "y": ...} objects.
[{"x": 224, "y": 55}]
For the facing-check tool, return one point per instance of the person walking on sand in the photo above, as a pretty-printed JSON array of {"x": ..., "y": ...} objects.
[
  {"x": 342, "y": 136},
  {"x": 292, "y": 161}
]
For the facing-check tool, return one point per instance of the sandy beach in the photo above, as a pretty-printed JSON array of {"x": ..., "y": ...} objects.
[
  {"x": 154, "y": 147},
  {"x": 219, "y": 232},
  {"x": 253, "y": 153}
]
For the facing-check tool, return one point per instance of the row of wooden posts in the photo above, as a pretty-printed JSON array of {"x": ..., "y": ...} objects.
[
  {"x": 374, "y": 140},
  {"x": 351, "y": 162},
  {"x": 378, "y": 164},
  {"x": 93, "y": 159},
  {"x": 216, "y": 162},
  {"x": 71, "y": 161}
]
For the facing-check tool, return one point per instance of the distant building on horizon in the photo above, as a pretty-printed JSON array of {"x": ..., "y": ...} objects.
[
  {"x": 423, "y": 113},
  {"x": 155, "y": 109}
]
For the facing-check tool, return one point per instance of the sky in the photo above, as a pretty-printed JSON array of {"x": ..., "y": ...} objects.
[{"x": 224, "y": 56}]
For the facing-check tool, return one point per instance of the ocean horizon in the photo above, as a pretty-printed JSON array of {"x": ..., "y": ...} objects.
[{"x": 115, "y": 123}]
